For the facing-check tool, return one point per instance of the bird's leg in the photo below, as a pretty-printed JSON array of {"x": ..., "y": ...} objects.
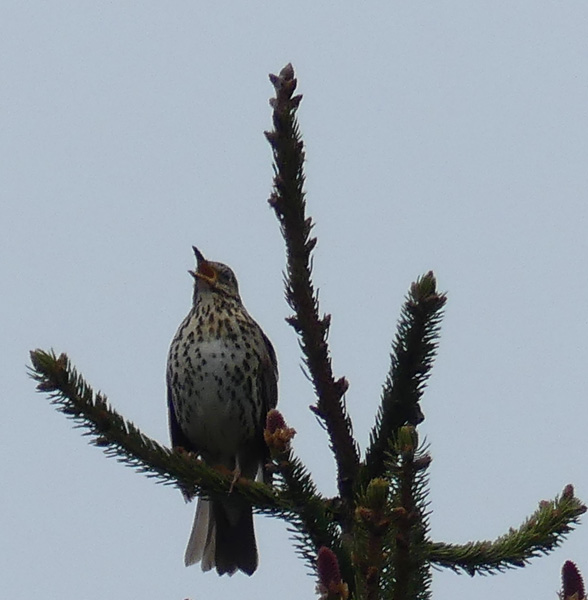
[{"x": 236, "y": 473}]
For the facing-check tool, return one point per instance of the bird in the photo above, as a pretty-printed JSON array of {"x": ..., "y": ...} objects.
[{"x": 222, "y": 379}]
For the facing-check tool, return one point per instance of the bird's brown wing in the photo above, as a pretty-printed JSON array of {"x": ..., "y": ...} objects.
[
  {"x": 269, "y": 377},
  {"x": 175, "y": 431},
  {"x": 268, "y": 388}
]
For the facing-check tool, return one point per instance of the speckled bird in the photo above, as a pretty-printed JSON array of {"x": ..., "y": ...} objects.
[{"x": 221, "y": 381}]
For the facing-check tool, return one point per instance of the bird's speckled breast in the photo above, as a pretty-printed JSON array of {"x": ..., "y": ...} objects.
[{"x": 214, "y": 374}]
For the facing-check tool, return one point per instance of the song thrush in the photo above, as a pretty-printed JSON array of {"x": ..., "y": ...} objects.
[{"x": 221, "y": 382}]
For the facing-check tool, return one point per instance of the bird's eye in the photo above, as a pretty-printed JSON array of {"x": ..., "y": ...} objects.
[{"x": 227, "y": 278}]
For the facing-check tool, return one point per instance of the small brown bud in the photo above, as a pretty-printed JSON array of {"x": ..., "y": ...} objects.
[
  {"x": 271, "y": 136},
  {"x": 330, "y": 586},
  {"x": 364, "y": 514},
  {"x": 277, "y": 434},
  {"x": 572, "y": 582},
  {"x": 327, "y": 566},
  {"x": 274, "y": 421},
  {"x": 287, "y": 72}
]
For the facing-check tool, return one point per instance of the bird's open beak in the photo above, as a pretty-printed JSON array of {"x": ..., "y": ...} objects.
[{"x": 204, "y": 270}]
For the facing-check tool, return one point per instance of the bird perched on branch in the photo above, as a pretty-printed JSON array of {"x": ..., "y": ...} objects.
[{"x": 221, "y": 382}]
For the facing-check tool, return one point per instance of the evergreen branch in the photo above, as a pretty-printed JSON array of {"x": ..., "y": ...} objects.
[
  {"x": 373, "y": 519},
  {"x": 412, "y": 357},
  {"x": 287, "y": 200},
  {"x": 122, "y": 440},
  {"x": 296, "y": 500},
  {"x": 538, "y": 535},
  {"x": 407, "y": 574},
  {"x": 315, "y": 524}
]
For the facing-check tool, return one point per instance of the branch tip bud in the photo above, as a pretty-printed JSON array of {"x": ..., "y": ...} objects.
[
  {"x": 572, "y": 582},
  {"x": 330, "y": 585},
  {"x": 277, "y": 434}
]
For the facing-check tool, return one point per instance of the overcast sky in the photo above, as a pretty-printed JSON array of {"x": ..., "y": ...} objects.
[{"x": 446, "y": 135}]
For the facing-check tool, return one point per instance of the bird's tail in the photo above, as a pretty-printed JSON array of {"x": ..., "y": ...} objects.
[
  {"x": 202, "y": 538},
  {"x": 223, "y": 537}
]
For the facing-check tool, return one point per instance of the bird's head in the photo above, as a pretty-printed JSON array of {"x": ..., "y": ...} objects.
[{"x": 213, "y": 276}]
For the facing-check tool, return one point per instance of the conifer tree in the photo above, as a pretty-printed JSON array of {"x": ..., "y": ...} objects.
[{"x": 371, "y": 541}]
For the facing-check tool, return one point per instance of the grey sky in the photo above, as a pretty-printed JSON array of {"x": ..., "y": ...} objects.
[{"x": 440, "y": 135}]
